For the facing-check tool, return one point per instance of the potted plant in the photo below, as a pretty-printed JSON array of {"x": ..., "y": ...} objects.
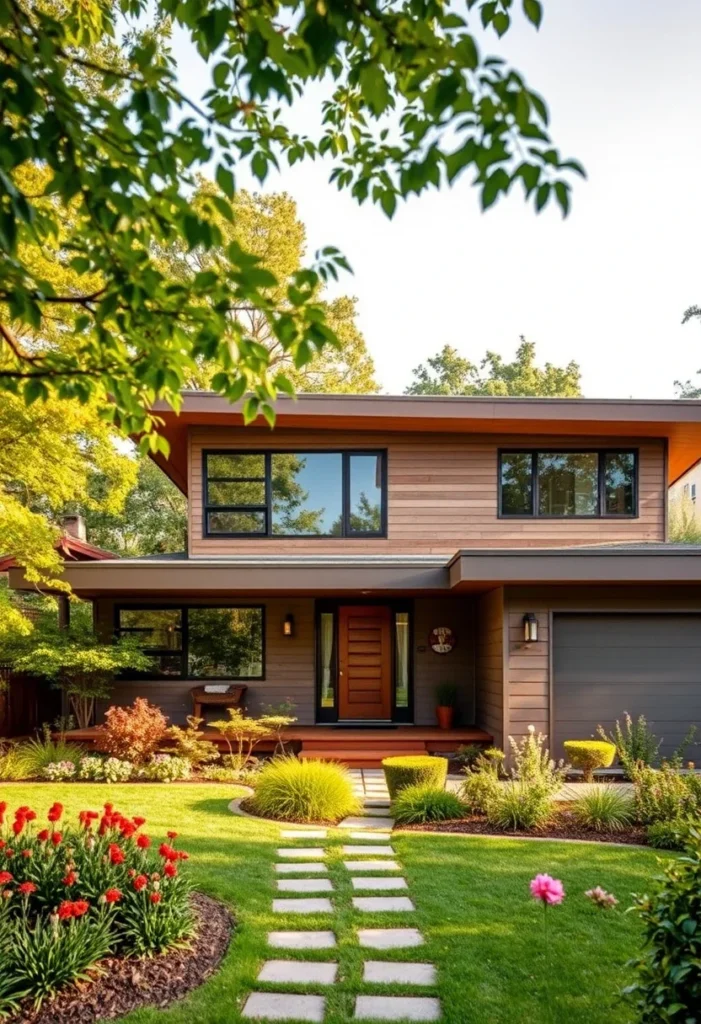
[{"x": 446, "y": 699}]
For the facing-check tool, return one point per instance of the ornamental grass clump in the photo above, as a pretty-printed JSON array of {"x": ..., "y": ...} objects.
[
  {"x": 420, "y": 770},
  {"x": 603, "y": 809},
  {"x": 74, "y": 894},
  {"x": 417, "y": 804},
  {"x": 292, "y": 790},
  {"x": 589, "y": 755}
]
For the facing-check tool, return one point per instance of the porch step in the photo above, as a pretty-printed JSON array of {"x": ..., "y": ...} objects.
[
  {"x": 368, "y": 742},
  {"x": 356, "y": 758}
]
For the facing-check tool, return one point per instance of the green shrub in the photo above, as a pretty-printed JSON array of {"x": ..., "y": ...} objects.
[
  {"x": 293, "y": 790},
  {"x": 603, "y": 809},
  {"x": 588, "y": 755},
  {"x": 635, "y": 743},
  {"x": 417, "y": 804},
  {"x": 468, "y": 753},
  {"x": 520, "y": 805},
  {"x": 165, "y": 768},
  {"x": 668, "y": 986},
  {"x": 11, "y": 764},
  {"x": 664, "y": 794},
  {"x": 33, "y": 756},
  {"x": 401, "y": 772},
  {"x": 533, "y": 764},
  {"x": 668, "y": 835},
  {"x": 188, "y": 743},
  {"x": 480, "y": 790}
]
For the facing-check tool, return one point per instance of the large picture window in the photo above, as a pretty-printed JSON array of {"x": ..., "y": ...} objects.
[
  {"x": 294, "y": 494},
  {"x": 568, "y": 484},
  {"x": 198, "y": 643}
]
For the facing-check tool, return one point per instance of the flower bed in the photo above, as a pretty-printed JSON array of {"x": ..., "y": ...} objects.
[
  {"x": 562, "y": 826},
  {"x": 72, "y": 895}
]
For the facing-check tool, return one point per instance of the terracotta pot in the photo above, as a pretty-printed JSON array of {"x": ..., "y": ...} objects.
[{"x": 445, "y": 717}]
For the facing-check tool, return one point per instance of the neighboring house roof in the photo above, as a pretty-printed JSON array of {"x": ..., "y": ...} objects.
[
  {"x": 71, "y": 549},
  {"x": 677, "y": 420}
]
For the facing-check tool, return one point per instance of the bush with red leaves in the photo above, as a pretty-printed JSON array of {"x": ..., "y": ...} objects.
[{"x": 133, "y": 733}]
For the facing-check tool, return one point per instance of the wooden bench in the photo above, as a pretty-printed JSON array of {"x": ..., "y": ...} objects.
[{"x": 231, "y": 699}]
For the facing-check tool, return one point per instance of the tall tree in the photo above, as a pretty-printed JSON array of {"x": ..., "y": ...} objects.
[
  {"x": 413, "y": 104},
  {"x": 449, "y": 373},
  {"x": 268, "y": 227}
]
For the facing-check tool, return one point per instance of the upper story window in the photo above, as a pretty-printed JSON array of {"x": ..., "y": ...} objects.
[
  {"x": 198, "y": 643},
  {"x": 574, "y": 484},
  {"x": 295, "y": 494}
]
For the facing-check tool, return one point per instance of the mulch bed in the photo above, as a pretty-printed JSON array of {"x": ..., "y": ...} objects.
[
  {"x": 128, "y": 984},
  {"x": 563, "y": 826}
]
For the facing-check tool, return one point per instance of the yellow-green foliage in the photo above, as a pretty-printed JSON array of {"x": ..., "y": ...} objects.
[
  {"x": 603, "y": 809},
  {"x": 293, "y": 790},
  {"x": 589, "y": 755},
  {"x": 401, "y": 772},
  {"x": 417, "y": 804}
]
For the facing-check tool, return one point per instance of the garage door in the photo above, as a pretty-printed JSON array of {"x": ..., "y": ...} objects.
[{"x": 604, "y": 665}]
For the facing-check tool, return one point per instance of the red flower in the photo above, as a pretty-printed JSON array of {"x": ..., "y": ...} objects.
[
  {"x": 116, "y": 854},
  {"x": 139, "y": 821},
  {"x": 172, "y": 835},
  {"x": 170, "y": 870},
  {"x": 155, "y": 897},
  {"x": 182, "y": 855},
  {"x": 65, "y": 910},
  {"x": 56, "y": 838},
  {"x": 18, "y": 825},
  {"x": 43, "y": 835},
  {"x": 71, "y": 878},
  {"x": 131, "y": 872},
  {"x": 3, "y": 808},
  {"x": 5, "y": 877},
  {"x": 2, "y": 843},
  {"x": 86, "y": 818},
  {"x": 109, "y": 808},
  {"x": 127, "y": 828},
  {"x": 143, "y": 841},
  {"x": 9, "y": 852},
  {"x": 113, "y": 896},
  {"x": 26, "y": 888},
  {"x": 55, "y": 812},
  {"x": 167, "y": 852},
  {"x": 140, "y": 882},
  {"x": 80, "y": 907},
  {"x": 26, "y": 854},
  {"x": 29, "y": 815}
]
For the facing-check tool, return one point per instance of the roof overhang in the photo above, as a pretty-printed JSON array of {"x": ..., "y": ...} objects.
[{"x": 679, "y": 421}]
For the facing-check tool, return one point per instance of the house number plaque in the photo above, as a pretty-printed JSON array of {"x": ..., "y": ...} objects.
[{"x": 441, "y": 640}]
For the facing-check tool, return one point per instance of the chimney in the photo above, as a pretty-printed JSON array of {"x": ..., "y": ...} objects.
[{"x": 74, "y": 526}]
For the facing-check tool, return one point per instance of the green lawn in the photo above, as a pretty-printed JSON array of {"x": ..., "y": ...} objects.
[{"x": 483, "y": 931}]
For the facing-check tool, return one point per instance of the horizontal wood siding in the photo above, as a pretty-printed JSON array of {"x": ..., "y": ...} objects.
[
  {"x": 289, "y": 666},
  {"x": 442, "y": 494},
  {"x": 527, "y": 682},
  {"x": 458, "y": 667},
  {"x": 489, "y": 684}
]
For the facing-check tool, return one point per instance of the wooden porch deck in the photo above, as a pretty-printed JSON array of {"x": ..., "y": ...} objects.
[{"x": 358, "y": 747}]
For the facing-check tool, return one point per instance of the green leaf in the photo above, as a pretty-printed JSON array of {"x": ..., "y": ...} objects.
[
  {"x": 533, "y": 10},
  {"x": 225, "y": 181},
  {"x": 374, "y": 87},
  {"x": 542, "y": 196},
  {"x": 562, "y": 194},
  {"x": 34, "y": 389},
  {"x": 388, "y": 202},
  {"x": 259, "y": 166}
]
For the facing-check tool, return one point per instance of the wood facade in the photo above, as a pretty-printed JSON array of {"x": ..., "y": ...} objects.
[{"x": 441, "y": 493}]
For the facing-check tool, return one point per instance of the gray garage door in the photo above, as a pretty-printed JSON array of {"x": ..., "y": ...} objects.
[{"x": 647, "y": 665}]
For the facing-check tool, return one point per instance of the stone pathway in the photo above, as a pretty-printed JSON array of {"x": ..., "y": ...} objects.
[{"x": 363, "y": 861}]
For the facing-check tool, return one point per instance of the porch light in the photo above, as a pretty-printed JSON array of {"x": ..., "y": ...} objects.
[
  {"x": 288, "y": 626},
  {"x": 530, "y": 628}
]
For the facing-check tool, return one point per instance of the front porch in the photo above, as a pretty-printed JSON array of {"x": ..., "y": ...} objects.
[{"x": 356, "y": 747}]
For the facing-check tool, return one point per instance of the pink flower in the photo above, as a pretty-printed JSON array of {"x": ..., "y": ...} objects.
[
  {"x": 601, "y": 898},
  {"x": 548, "y": 890}
]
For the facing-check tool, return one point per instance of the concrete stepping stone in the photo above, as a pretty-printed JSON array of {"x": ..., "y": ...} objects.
[
  {"x": 313, "y": 867},
  {"x": 389, "y": 938},
  {"x": 375, "y": 812},
  {"x": 367, "y": 822},
  {"x": 361, "y": 882},
  {"x": 372, "y": 837},
  {"x": 301, "y": 833},
  {"x": 397, "y": 1008},
  {"x": 369, "y": 851},
  {"x": 309, "y": 853},
  {"x": 318, "y": 905},
  {"x": 377, "y": 803},
  {"x": 372, "y": 865},
  {"x": 274, "y": 1006},
  {"x": 379, "y": 904},
  {"x": 380, "y": 972},
  {"x": 302, "y": 940},
  {"x": 299, "y": 972},
  {"x": 304, "y": 885}
]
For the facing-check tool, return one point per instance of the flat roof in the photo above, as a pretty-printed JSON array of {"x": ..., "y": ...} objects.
[{"x": 677, "y": 420}]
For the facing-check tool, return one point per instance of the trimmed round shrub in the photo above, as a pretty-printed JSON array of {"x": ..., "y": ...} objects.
[
  {"x": 588, "y": 755},
  {"x": 401, "y": 772},
  {"x": 417, "y": 804},
  {"x": 292, "y": 790},
  {"x": 603, "y": 809}
]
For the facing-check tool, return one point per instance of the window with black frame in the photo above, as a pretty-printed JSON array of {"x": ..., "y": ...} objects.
[
  {"x": 295, "y": 494},
  {"x": 197, "y": 642},
  {"x": 568, "y": 484}
]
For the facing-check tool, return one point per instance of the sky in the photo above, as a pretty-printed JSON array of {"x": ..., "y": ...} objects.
[{"x": 606, "y": 287}]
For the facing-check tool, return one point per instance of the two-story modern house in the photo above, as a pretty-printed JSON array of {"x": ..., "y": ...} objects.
[{"x": 369, "y": 548}]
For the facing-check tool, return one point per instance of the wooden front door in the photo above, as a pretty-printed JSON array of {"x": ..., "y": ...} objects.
[{"x": 365, "y": 662}]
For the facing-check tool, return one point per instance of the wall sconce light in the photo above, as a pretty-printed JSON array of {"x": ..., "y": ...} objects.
[
  {"x": 530, "y": 628},
  {"x": 288, "y": 626}
]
